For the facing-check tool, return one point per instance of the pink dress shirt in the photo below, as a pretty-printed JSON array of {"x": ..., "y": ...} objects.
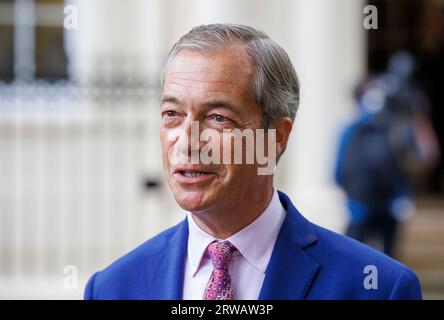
[{"x": 255, "y": 244}]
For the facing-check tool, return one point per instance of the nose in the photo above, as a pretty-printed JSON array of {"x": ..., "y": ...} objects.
[{"x": 187, "y": 144}]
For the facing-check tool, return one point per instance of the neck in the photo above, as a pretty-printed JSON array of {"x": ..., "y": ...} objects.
[{"x": 223, "y": 222}]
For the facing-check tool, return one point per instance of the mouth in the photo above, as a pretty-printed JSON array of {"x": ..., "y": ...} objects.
[{"x": 193, "y": 176}]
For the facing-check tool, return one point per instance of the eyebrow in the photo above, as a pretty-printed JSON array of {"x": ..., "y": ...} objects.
[
  {"x": 210, "y": 104},
  {"x": 170, "y": 99}
]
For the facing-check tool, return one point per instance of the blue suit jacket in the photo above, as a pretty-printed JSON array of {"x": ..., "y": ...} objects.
[{"x": 308, "y": 262}]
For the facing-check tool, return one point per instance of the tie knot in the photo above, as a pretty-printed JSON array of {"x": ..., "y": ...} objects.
[{"x": 220, "y": 254}]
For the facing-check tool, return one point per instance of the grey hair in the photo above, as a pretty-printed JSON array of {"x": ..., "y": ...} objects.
[{"x": 274, "y": 82}]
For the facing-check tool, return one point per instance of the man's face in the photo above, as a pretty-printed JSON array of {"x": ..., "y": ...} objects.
[{"x": 214, "y": 90}]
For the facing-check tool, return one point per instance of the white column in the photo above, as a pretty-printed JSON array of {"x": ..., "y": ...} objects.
[
  {"x": 328, "y": 53},
  {"x": 186, "y": 14},
  {"x": 119, "y": 40},
  {"x": 133, "y": 28}
]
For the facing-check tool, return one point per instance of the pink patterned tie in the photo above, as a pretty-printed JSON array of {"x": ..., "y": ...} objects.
[{"x": 219, "y": 286}]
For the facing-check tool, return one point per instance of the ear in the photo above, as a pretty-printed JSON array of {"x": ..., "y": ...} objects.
[{"x": 283, "y": 128}]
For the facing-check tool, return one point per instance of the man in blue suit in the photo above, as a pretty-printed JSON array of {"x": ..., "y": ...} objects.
[{"x": 241, "y": 238}]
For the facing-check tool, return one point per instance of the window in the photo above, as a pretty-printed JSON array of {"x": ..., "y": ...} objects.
[
  {"x": 32, "y": 40},
  {"x": 6, "y": 40}
]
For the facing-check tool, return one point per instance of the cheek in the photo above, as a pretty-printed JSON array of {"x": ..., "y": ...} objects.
[
  {"x": 162, "y": 136},
  {"x": 241, "y": 173},
  {"x": 225, "y": 149},
  {"x": 166, "y": 139},
  {"x": 165, "y": 145}
]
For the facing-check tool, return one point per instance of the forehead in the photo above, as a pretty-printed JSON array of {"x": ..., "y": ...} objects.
[{"x": 225, "y": 72}]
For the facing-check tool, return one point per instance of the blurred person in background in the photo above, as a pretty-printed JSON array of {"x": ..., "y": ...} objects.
[{"x": 389, "y": 146}]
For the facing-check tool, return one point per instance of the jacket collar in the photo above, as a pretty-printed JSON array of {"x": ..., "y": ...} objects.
[
  {"x": 291, "y": 270},
  {"x": 289, "y": 273},
  {"x": 169, "y": 274}
]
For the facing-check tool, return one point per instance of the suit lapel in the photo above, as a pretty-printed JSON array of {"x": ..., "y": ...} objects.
[
  {"x": 168, "y": 275},
  {"x": 290, "y": 271},
  {"x": 289, "y": 274}
]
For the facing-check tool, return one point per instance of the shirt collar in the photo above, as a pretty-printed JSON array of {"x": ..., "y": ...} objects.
[{"x": 255, "y": 242}]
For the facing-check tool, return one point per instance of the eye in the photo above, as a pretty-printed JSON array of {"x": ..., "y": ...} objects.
[
  {"x": 219, "y": 118},
  {"x": 169, "y": 114}
]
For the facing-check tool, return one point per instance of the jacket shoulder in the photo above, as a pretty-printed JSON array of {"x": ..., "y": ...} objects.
[
  {"x": 355, "y": 270},
  {"x": 122, "y": 278}
]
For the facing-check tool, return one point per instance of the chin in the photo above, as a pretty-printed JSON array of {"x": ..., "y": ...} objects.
[{"x": 193, "y": 201}]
